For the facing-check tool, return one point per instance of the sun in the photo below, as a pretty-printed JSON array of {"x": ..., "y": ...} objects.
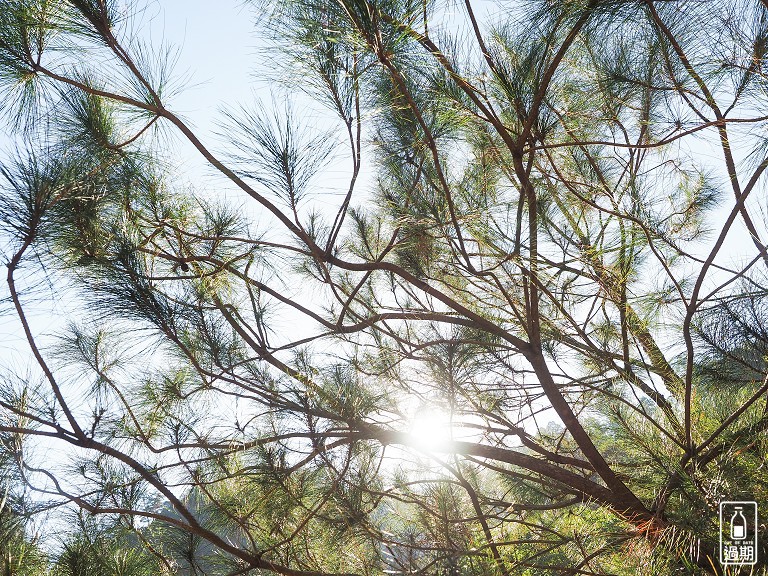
[{"x": 431, "y": 429}]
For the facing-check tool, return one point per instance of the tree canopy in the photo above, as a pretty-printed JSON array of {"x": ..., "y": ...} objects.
[{"x": 503, "y": 311}]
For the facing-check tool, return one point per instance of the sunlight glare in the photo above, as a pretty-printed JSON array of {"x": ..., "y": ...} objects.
[{"x": 431, "y": 430}]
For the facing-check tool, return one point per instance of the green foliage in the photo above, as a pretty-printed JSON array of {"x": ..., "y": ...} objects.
[
  {"x": 511, "y": 342},
  {"x": 19, "y": 554},
  {"x": 105, "y": 551}
]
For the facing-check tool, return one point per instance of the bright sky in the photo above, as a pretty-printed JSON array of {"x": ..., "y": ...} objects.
[{"x": 219, "y": 59}]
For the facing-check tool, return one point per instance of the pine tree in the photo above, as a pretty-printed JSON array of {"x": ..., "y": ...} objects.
[{"x": 528, "y": 262}]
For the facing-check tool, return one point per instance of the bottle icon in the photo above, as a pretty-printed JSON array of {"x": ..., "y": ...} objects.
[{"x": 738, "y": 525}]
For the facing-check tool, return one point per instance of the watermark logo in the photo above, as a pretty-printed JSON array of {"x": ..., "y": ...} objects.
[{"x": 738, "y": 533}]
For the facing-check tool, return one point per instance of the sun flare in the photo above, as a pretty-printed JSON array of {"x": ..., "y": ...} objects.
[{"x": 431, "y": 429}]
